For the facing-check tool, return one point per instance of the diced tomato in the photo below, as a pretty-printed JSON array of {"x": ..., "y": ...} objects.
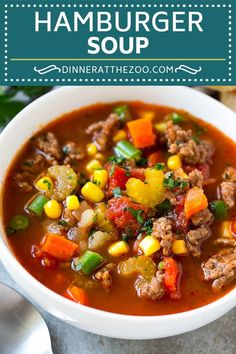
[
  {"x": 180, "y": 203},
  {"x": 178, "y": 217},
  {"x": 155, "y": 157},
  {"x": 119, "y": 213},
  {"x": 138, "y": 173},
  {"x": 117, "y": 177},
  {"x": 76, "y": 294},
  {"x": 171, "y": 277}
]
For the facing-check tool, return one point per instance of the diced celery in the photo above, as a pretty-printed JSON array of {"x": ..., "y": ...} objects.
[{"x": 88, "y": 262}]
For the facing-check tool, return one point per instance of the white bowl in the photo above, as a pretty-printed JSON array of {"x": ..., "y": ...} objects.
[{"x": 64, "y": 100}]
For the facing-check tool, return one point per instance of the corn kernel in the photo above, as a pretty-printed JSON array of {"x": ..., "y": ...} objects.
[
  {"x": 100, "y": 156},
  {"x": 100, "y": 178},
  {"x": 44, "y": 184},
  {"x": 179, "y": 247},
  {"x": 149, "y": 245},
  {"x": 161, "y": 127},
  {"x": 118, "y": 248},
  {"x": 92, "y": 192},
  {"x": 53, "y": 209},
  {"x": 72, "y": 202},
  {"x": 93, "y": 165},
  {"x": 120, "y": 135},
  {"x": 147, "y": 114},
  {"x": 91, "y": 149},
  {"x": 226, "y": 229},
  {"x": 174, "y": 162}
]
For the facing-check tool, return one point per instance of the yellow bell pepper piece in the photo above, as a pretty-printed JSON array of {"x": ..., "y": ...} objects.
[
  {"x": 179, "y": 173},
  {"x": 149, "y": 193},
  {"x": 226, "y": 229},
  {"x": 149, "y": 245},
  {"x": 179, "y": 247},
  {"x": 146, "y": 114},
  {"x": 118, "y": 249}
]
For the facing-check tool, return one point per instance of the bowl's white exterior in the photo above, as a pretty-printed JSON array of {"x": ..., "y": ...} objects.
[{"x": 65, "y": 100}]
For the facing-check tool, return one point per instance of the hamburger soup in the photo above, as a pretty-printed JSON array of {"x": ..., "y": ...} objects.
[{"x": 126, "y": 207}]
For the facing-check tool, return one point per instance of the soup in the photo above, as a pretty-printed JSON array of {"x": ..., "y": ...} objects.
[{"x": 127, "y": 208}]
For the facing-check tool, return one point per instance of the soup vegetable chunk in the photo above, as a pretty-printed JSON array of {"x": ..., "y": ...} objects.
[{"x": 126, "y": 207}]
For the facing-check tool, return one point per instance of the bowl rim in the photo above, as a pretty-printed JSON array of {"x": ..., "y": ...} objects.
[{"x": 86, "y": 310}]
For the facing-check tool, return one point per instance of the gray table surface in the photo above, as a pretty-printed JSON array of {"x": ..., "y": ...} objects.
[{"x": 217, "y": 337}]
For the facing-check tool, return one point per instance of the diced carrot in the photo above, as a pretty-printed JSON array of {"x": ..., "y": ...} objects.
[
  {"x": 76, "y": 294},
  {"x": 141, "y": 132},
  {"x": 154, "y": 158},
  {"x": 171, "y": 274},
  {"x": 59, "y": 247},
  {"x": 195, "y": 201}
]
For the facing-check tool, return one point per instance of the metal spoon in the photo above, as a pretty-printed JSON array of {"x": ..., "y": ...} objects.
[{"x": 22, "y": 328}]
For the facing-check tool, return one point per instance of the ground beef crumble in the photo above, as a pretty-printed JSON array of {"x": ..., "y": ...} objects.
[
  {"x": 230, "y": 174},
  {"x": 23, "y": 181},
  {"x": 49, "y": 147},
  {"x": 72, "y": 152},
  {"x": 104, "y": 275},
  {"x": 227, "y": 188},
  {"x": 102, "y": 131},
  {"x": 171, "y": 196},
  {"x": 204, "y": 217},
  {"x": 196, "y": 178},
  {"x": 181, "y": 142},
  {"x": 220, "y": 268},
  {"x": 162, "y": 230},
  {"x": 195, "y": 238},
  {"x": 226, "y": 191},
  {"x": 152, "y": 290},
  {"x": 34, "y": 165}
]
